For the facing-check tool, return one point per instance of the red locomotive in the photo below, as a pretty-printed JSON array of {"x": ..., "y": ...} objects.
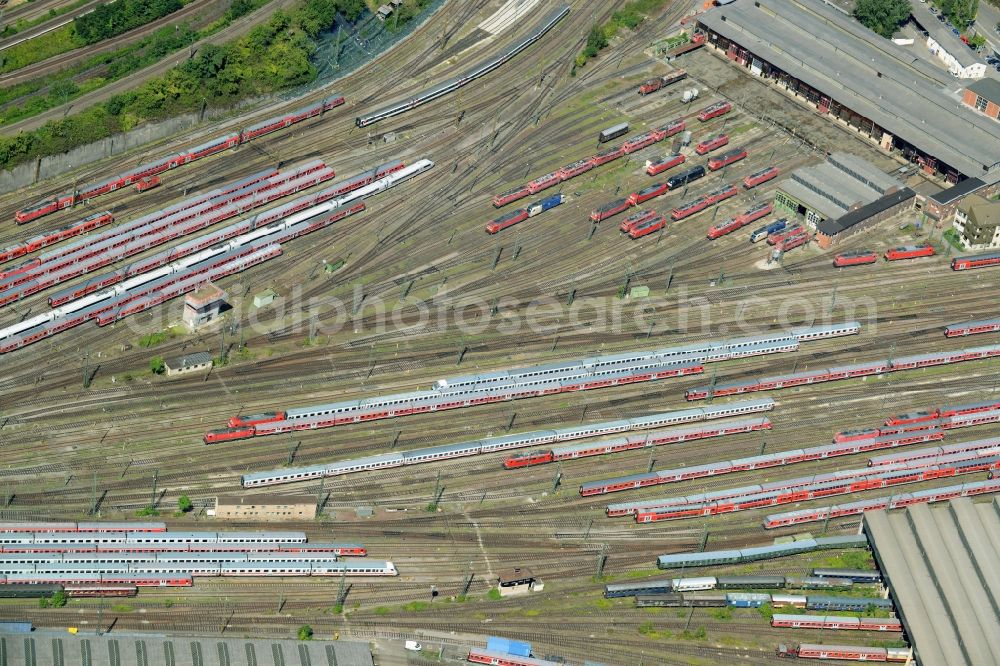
[
  {"x": 793, "y": 241},
  {"x": 647, "y": 193},
  {"x": 855, "y": 258},
  {"x": 741, "y": 220},
  {"x": 910, "y": 252},
  {"x": 636, "y": 218},
  {"x": 689, "y": 208},
  {"x": 671, "y": 128},
  {"x": 575, "y": 169},
  {"x": 714, "y": 111},
  {"x": 712, "y": 143},
  {"x": 504, "y": 198},
  {"x": 609, "y": 210},
  {"x": 774, "y": 239},
  {"x": 721, "y": 194},
  {"x": 762, "y": 176},
  {"x": 649, "y": 226},
  {"x": 543, "y": 182},
  {"x": 726, "y": 158},
  {"x": 654, "y": 84},
  {"x": 668, "y": 162},
  {"x": 507, "y": 220},
  {"x": 607, "y": 156},
  {"x": 147, "y": 183}
]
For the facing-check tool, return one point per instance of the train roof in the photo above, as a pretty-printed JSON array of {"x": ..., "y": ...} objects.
[
  {"x": 569, "y": 449},
  {"x": 845, "y": 573},
  {"x": 750, "y": 579},
  {"x": 367, "y": 460},
  {"x": 639, "y": 585},
  {"x": 618, "y": 479},
  {"x": 695, "y": 559},
  {"x": 846, "y": 541},
  {"x": 977, "y": 322}
]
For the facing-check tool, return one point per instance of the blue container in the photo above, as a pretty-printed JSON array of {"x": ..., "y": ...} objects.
[
  {"x": 15, "y": 627},
  {"x": 507, "y": 646}
]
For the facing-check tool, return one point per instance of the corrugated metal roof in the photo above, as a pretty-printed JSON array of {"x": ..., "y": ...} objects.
[
  {"x": 942, "y": 567},
  {"x": 824, "y": 48}
]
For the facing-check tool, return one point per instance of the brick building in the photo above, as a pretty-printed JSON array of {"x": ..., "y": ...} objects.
[{"x": 984, "y": 97}]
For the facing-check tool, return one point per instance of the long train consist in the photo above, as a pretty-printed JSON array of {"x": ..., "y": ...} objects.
[
  {"x": 471, "y": 75},
  {"x": 502, "y": 443},
  {"x": 632, "y": 442},
  {"x": 594, "y": 372},
  {"x": 808, "y": 488},
  {"x": 633, "y": 481},
  {"x": 82, "y": 527},
  {"x": 894, "y": 437},
  {"x": 895, "y": 501},
  {"x": 867, "y": 369},
  {"x": 972, "y": 261},
  {"x": 836, "y": 622},
  {"x": 144, "y": 233},
  {"x": 844, "y": 652},
  {"x": 745, "y": 555},
  {"x": 667, "y": 585},
  {"x": 253, "y": 246},
  {"x": 484, "y": 656},
  {"x": 972, "y": 328},
  {"x": 579, "y": 167},
  {"x": 50, "y": 573},
  {"x": 216, "y": 145},
  {"x": 86, "y": 578}
]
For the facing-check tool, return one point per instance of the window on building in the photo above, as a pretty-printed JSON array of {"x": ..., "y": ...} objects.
[{"x": 981, "y": 103}]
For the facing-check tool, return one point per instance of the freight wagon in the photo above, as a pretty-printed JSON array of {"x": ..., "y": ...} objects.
[{"x": 613, "y": 132}]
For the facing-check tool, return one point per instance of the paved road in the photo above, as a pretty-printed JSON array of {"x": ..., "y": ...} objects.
[{"x": 238, "y": 28}]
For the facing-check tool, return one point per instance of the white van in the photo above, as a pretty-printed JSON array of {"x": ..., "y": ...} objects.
[{"x": 413, "y": 646}]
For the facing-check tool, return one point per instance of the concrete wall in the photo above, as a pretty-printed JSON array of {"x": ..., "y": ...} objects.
[{"x": 49, "y": 167}]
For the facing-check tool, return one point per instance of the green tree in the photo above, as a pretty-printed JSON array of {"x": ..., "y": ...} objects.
[
  {"x": 157, "y": 365},
  {"x": 305, "y": 633},
  {"x": 184, "y": 503},
  {"x": 58, "y": 599},
  {"x": 596, "y": 40},
  {"x": 882, "y": 16}
]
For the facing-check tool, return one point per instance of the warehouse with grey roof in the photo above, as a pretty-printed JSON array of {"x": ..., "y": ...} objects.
[
  {"x": 848, "y": 73},
  {"x": 941, "y": 566}
]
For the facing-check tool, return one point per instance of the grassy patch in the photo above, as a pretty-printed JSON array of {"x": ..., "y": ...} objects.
[
  {"x": 849, "y": 559},
  {"x": 416, "y": 606},
  {"x": 493, "y": 595},
  {"x": 381, "y": 611},
  {"x": 122, "y": 608},
  {"x": 952, "y": 237},
  {"x": 629, "y": 16},
  {"x": 40, "y": 48},
  {"x": 649, "y": 631},
  {"x": 12, "y": 29},
  {"x": 724, "y": 613}
]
